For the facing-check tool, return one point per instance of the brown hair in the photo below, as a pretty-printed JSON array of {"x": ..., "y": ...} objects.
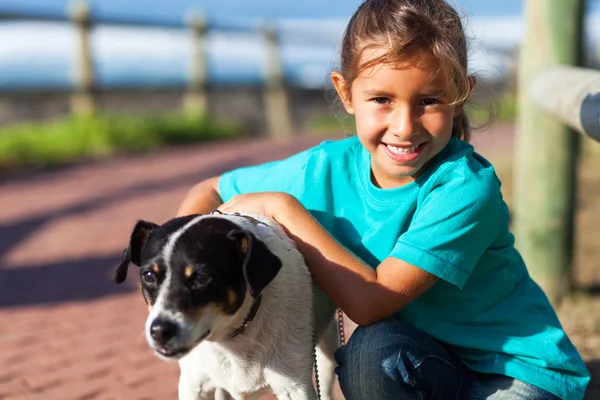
[{"x": 407, "y": 28}]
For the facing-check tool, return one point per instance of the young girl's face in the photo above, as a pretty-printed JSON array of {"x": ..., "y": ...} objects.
[{"x": 403, "y": 116}]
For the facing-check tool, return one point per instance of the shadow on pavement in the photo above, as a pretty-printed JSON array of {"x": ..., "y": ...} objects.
[
  {"x": 80, "y": 279},
  {"x": 86, "y": 278}
]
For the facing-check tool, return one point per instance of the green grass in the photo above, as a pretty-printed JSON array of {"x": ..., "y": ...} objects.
[
  {"x": 63, "y": 141},
  {"x": 501, "y": 109},
  {"x": 326, "y": 124}
]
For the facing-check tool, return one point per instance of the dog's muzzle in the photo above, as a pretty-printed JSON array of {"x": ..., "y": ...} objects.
[{"x": 163, "y": 332}]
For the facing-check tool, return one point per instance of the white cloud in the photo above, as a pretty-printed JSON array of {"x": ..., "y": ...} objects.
[
  {"x": 24, "y": 40},
  {"x": 496, "y": 32},
  {"x": 125, "y": 44}
]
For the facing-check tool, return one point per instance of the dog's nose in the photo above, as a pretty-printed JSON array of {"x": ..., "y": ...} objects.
[{"x": 162, "y": 330}]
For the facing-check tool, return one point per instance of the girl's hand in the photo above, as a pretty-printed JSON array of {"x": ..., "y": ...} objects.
[{"x": 265, "y": 203}]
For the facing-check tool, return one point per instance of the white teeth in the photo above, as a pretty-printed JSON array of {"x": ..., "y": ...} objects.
[{"x": 402, "y": 150}]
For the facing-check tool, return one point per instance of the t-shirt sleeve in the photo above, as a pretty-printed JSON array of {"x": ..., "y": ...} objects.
[
  {"x": 452, "y": 228},
  {"x": 277, "y": 176}
]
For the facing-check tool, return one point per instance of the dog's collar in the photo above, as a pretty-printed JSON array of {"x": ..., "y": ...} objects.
[{"x": 249, "y": 317}]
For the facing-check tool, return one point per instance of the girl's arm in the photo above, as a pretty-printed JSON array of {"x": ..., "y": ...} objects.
[
  {"x": 364, "y": 294},
  {"x": 202, "y": 198}
]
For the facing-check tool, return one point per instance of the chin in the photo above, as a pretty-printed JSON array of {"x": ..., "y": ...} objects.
[
  {"x": 403, "y": 171},
  {"x": 394, "y": 180}
]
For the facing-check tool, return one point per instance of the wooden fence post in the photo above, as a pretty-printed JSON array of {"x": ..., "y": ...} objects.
[
  {"x": 546, "y": 150},
  {"x": 82, "y": 99},
  {"x": 277, "y": 112},
  {"x": 196, "y": 98}
]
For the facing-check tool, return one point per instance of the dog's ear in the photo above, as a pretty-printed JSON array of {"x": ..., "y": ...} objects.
[
  {"x": 133, "y": 253},
  {"x": 260, "y": 264}
]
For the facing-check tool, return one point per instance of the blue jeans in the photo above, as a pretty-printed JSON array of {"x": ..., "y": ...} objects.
[{"x": 394, "y": 360}]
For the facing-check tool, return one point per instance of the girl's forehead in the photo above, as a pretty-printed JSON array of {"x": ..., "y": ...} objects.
[
  {"x": 377, "y": 57},
  {"x": 406, "y": 75}
]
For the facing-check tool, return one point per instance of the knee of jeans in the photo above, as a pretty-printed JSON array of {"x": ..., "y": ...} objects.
[
  {"x": 360, "y": 368},
  {"x": 369, "y": 353},
  {"x": 390, "y": 352}
]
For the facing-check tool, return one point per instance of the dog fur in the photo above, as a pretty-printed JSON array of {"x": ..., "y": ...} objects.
[{"x": 201, "y": 276}]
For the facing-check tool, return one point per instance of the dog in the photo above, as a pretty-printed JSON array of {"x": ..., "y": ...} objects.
[{"x": 231, "y": 299}]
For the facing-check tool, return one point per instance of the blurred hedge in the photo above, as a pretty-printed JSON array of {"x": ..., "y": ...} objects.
[{"x": 61, "y": 141}]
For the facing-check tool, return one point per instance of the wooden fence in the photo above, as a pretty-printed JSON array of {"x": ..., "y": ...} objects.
[
  {"x": 555, "y": 97},
  {"x": 84, "y": 102}
]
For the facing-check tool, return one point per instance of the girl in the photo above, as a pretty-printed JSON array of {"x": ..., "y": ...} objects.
[{"x": 404, "y": 226}]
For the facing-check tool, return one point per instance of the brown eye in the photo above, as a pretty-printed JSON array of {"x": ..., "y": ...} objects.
[
  {"x": 199, "y": 281},
  {"x": 149, "y": 278},
  {"x": 430, "y": 101},
  {"x": 382, "y": 100}
]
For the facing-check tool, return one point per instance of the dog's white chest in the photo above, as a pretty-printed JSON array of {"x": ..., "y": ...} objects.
[{"x": 226, "y": 370}]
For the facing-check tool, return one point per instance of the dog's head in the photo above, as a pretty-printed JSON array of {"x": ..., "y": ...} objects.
[{"x": 196, "y": 272}]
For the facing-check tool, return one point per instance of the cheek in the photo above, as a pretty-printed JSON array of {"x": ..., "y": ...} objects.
[
  {"x": 438, "y": 124},
  {"x": 213, "y": 312},
  {"x": 368, "y": 122},
  {"x": 149, "y": 296}
]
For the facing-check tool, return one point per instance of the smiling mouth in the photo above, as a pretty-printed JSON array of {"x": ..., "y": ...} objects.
[
  {"x": 180, "y": 352},
  {"x": 403, "y": 149},
  {"x": 403, "y": 154}
]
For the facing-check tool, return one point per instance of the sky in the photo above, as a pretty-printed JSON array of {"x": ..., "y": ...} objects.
[
  {"x": 175, "y": 9},
  {"x": 43, "y": 54}
]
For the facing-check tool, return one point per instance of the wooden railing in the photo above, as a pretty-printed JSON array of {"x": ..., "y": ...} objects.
[
  {"x": 572, "y": 96},
  {"x": 196, "y": 100}
]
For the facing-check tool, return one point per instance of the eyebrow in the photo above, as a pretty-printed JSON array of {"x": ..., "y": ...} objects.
[
  {"x": 383, "y": 93},
  {"x": 378, "y": 93},
  {"x": 434, "y": 92}
]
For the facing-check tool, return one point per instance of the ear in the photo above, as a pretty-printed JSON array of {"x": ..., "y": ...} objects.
[
  {"x": 343, "y": 91},
  {"x": 139, "y": 237},
  {"x": 260, "y": 264}
]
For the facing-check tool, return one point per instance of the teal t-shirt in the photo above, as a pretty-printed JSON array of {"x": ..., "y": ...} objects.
[{"x": 452, "y": 222}]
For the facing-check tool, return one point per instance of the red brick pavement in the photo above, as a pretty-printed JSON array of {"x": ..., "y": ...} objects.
[{"x": 66, "y": 331}]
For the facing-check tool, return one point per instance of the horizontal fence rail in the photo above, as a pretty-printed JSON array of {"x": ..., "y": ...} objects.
[{"x": 572, "y": 95}]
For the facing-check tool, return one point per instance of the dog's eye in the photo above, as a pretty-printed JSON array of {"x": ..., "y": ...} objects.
[
  {"x": 199, "y": 281},
  {"x": 149, "y": 277}
]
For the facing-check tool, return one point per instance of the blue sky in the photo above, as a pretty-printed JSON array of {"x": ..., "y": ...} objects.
[{"x": 174, "y": 9}]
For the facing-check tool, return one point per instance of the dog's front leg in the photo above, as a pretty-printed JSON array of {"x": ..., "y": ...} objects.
[
  {"x": 303, "y": 392},
  {"x": 221, "y": 394},
  {"x": 327, "y": 345},
  {"x": 290, "y": 388},
  {"x": 195, "y": 386}
]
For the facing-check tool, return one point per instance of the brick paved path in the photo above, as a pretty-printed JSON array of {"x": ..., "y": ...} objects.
[{"x": 66, "y": 331}]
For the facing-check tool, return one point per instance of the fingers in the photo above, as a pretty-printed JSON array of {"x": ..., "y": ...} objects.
[
  {"x": 230, "y": 206},
  {"x": 225, "y": 207}
]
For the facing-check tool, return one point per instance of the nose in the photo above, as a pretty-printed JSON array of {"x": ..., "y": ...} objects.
[
  {"x": 162, "y": 330},
  {"x": 402, "y": 123}
]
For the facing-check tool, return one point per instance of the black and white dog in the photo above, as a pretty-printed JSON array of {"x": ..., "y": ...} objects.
[{"x": 232, "y": 300}]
